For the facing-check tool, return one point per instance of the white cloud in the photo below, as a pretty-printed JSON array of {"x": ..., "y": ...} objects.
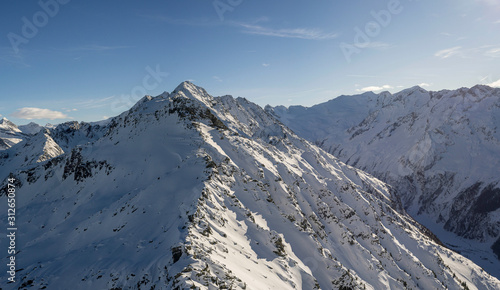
[
  {"x": 217, "y": 78},
  {"x": 480, "y": 51},
  {"x": 495, "y": 84},
  {"x": 265, "y": 65},
  {"x": 300, "y": 33},
  {"x": 37, "y": 113},
  {"x": 424, "y": 85},
  {"x": 445, "y": 53},
  {"x": 375, "y": 45},
  {"x": 374, "y": 88},
  {"x": 95, "y": 103},
  {"x": 493, "y": 52},
  {"x": 8, "y": 55}
]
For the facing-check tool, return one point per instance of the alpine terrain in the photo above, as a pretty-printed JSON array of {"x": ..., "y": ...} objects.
[
  {"x": 440, "y": 151},
  {"x": 11, "y": 134},
  {"x": 190, "y": 191}
]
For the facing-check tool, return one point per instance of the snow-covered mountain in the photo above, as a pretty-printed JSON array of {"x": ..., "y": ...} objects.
[
  {"x": 188, "y": 191},
  {"x": 9, "y": 134},
  {"x": 31, "y": 129},
  {"x": 439, "y": 150}
]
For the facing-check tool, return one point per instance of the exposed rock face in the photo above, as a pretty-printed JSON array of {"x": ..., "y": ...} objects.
[
  {"x": 189, "y": 191},
  {"x": 439, "y": 150}
]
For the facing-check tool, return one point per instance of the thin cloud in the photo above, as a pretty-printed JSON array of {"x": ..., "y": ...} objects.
[
  {"x": 375, "y": 45},
  {"x": 299, "y": 33},
  {"x": 446, "y": 53},
  {"x": 185, "y": 22},
  {"x": 37, "y": 113},
  {"x": 265, "y": 65},
  {"x": 97, "y": 47},
  {"x": 474, "y": 52},
  {"x": 374, "y": 88},
  {"x": 424, "y": 85},
  {"x": 90, "y": 48},
  {"x": 217, "y": 79},
  {"x": 493, "y": 52},
  {"x": 8, "y": 55},
  {"x": 364, "y": 76},
  {"x": 95, "y": 103},
  {"x": 251, "y": 28}
]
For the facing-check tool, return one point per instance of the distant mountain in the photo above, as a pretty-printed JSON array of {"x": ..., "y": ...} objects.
[
  {"x": 9, "y": 134},
  {"x": 439, "y": 150},
  {"x": 31, "y": 128},
  {"x": 188, "y": 191}
]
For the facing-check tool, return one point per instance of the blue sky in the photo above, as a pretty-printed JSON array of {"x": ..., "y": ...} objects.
[{"x": 63, "y": 60}]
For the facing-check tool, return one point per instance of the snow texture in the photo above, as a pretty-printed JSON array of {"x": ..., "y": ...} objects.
[
  {"x": 185, "y": 190},
  {"x": 439, "y": 150}
]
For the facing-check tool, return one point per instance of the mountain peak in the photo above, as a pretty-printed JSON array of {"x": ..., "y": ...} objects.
[
  {"x": 413, "y": 90},
  {"x": 31, "y": 128},
  {"x": 4, "y": 121},
  {"x": 302, "y": 218},
  {"x": 8, "y": 125},
  {"x": 193, "y": 92}
]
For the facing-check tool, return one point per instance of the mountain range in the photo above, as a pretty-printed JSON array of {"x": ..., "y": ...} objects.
[
  {"x": 11, "y": 134},
  {"x": 440, "y": 151},
  {"x": 190, "y": 191}
]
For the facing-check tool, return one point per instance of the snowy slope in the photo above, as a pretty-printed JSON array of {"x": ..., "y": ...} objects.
[
  {"x": 31, "y": 128},
  {"x": 9, "y": 134},
  {"x": 440, "y": 150},
  {"x": 186, "y": 190},
  {"x": 71, "y": 134},
  {"x": 27, "y": 153}
]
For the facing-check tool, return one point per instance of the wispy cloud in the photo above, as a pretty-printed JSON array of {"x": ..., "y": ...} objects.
[
  {"x": 178, "y": 21},
  {"x": 375, "y": 45},
  {"x": 252, "y": 27},
  {"x": 8, "y": 55},
  {"x": 265, "y": 65},
  {"x": 364, "y": 76},
  {"x": 374, "y": 88},
  {"x": 37, "y": 113},
  {"x": 300, "y": 33},
  {"x": 217, "y": 79},
  {"x": 95, "y": 103},
  {"x": 446, "y": 53},
  {"x": 493, "y": 52},
  {"x": 474, "y": 52},
  {"x": 96, "y": 47}
]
